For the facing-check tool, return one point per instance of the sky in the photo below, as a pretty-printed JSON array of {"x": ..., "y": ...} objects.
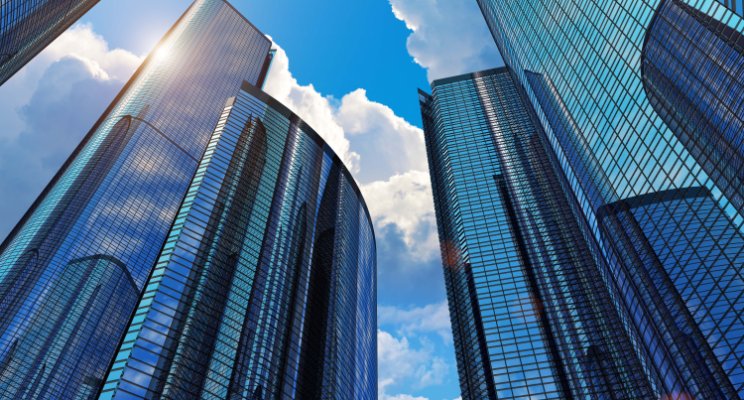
[{"x": 351, "y": 69}]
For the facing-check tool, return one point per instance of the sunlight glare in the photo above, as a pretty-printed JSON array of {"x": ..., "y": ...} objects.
[{"x": 162, "y": 53}]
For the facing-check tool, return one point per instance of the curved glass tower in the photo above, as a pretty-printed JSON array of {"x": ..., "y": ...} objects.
[
  {"x": 116, "y": 198},
  {"x": 265, "y": 288},
  {"x": 28, "y": 26}
]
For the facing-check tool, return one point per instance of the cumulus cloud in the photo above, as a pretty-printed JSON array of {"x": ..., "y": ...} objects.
[
  {"x": 358, "y": 129},
  {"x": 448, "y": 37},
  {"x": 405, "y": 201},
  {"x": 48, "y": 107},
  {"x": 431, "y": 318},
  {"x": 402, "y": 397},
  {"x": 385, "y": 152},
  {"x": 82, "y": 43},
  {"x": 401, "y": 361},
  {"x": 388, "y": 144}
]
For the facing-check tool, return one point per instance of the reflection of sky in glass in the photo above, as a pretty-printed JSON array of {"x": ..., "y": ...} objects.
[
  {"x": 233, "y": 303},
  {"x": 120, "y": 193},
  {"x": 584, "y": 331},
  {"x": 698, "y": 257},
  {"x": 735, "y": 5},
  {"x": 692, "y": 70},
  {"x": 615, "y": 118}
]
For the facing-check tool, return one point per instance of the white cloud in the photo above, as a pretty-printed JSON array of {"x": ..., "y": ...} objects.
[
  {"x": 432, "y": 318},
  {"x": 406, "y": 201},
  {"x": 79, "y": 42},
  {"x": 387, "y": 143},
  {"x": 448, "y": 37},
  {"x": 358, "y": 129},
  {"x": 83, "y": 43},
  {"x": 385, "y": 152},
  {"x": 402, "y": 397},
  {"x": 399, "y": 361}
]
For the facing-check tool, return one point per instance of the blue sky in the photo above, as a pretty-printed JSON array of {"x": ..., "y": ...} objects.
[{"x": 349, "y": 68}]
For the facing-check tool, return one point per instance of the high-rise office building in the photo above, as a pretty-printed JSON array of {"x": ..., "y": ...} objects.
[
  {"x": 265, "y": 288},
  {"x": 530, "y": 318},
  {"x": 115, "y": 199},
  {"x": 28, "y": 26},
  {"x": 660, "y": 231}
]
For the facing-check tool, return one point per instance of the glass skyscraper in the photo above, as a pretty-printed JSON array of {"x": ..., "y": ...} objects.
[
  {"x": 610, "y": 266},
  {"x": 529, "y": 317},
  {"x": 115, "y": 200},
  {"x": 28, "y": 26},
  {"x": 265, "y": 287}
]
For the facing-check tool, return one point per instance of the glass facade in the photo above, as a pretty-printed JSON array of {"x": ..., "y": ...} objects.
[
  {"x": 116, "y": 198},
  {"x": 736, "y": 6},
  {"x": 28, "y": 26},
  {"x": 265, "y": 287},
  {"x": 76, "y": 321},
  {"x": 658, "y": 214},
  {"x": 685, "y": 256}
]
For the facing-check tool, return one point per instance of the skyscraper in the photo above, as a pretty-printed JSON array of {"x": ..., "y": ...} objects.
[
  {"x": 529, "y": 316},
  {"x": 265, "y": 288},
  {"x": 661, "y": 234},
  {"x": 28, "y": 26},
  {"x": 116, "y": 198}
]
